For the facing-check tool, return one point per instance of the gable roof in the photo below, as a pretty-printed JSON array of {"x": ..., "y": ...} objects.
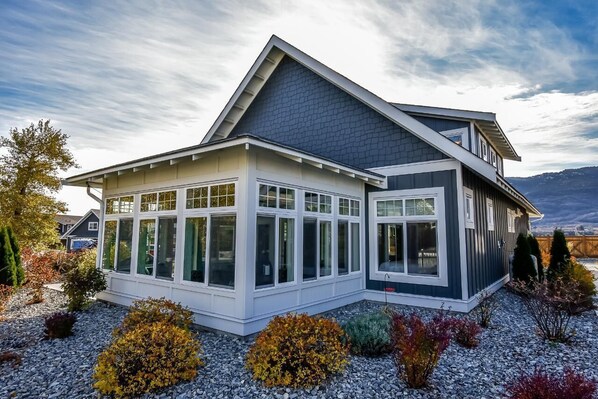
[
  {"x": 67, "y": 219},
  {"x": 485, "y": 121},
  {"x": 95, "y": 212},
  {"x": 266, "y": 63}
]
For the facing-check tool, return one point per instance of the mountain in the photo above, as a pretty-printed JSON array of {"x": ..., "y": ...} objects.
[{"x": 567, "y": 199}]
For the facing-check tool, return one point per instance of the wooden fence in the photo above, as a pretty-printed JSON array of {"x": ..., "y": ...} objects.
[{"x": 579, "y": 246}]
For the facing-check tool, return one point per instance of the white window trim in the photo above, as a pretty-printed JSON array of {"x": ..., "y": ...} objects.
[
  {"x": 484, "y": 145},
  {"x": 90, "y": 224},
  {"x": 350, "y": 219},
  {"x": 438, "y": 194},
  {"x": 468, "y": 197},
  {"x": 462, "y": 131},
  {"x": 490, "y": 216},
  {"x": 511, "y": 214}
]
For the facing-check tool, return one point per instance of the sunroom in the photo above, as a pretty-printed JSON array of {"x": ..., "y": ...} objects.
[{"x": 237, "y": 230}]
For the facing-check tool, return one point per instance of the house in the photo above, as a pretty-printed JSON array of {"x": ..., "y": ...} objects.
[
  {"x": 83, "y": 233},
  {"x": 64, "y": 223},
  {"x": 309, "y": 193}
]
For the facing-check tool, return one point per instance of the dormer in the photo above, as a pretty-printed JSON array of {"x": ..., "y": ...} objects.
[{"x": 478, "y": 132}]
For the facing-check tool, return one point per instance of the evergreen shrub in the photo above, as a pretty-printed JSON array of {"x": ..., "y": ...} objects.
[
  {"x": 369, "y": 334},
  {"x": 559, "y": 255},
  {"x": 523, "y": 265},
  {"x": 297, "y": 350}
]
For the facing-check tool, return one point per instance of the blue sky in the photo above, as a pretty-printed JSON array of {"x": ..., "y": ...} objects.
[{"x": 133, "y": 78}]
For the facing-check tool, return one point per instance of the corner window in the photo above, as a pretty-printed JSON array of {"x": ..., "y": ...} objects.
[
  {"x": 408, "y": 236},
  {"x": 490, "y": 214},
  {"x": 92, "y": 226},
  {"x": 468, "y": 204}
]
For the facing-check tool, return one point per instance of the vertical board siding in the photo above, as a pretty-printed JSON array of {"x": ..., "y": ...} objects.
[
  {"x": 446, "y": 179},
  {"x": 298, "y": 108},
  {"x": 486, "y": 262}
]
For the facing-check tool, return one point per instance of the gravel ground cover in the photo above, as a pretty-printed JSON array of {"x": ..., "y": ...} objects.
[{"x": 63, "y": 368}]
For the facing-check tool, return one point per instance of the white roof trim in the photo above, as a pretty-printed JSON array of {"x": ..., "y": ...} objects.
[
  {"x": 193, "y": 152},
  {"x": 275, "y": 45},
  {"x": 83, "y": 218}
]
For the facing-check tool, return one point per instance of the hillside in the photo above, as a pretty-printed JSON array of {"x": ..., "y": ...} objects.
[{"x": 567, "y": 199}]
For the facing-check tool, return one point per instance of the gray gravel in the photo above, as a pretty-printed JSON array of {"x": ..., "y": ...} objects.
[{"x": 63, "y": 368}]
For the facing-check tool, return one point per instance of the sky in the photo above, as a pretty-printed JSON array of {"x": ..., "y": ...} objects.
[{"x": 127, "y": 79}]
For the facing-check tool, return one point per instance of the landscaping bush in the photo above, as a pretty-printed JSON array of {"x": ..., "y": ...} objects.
[
  {"x": 559, "y": 255},
  {"x": 149, "y": 357},
  {"x": 84, "y": 281},
  {"x": 60, "y": 325},
  {"x": 550, "y": 305},
  {"x": 298, "y": 351},
  {"x": 486, "y": 306},
  {"x": 534, "y": 248},
  {"x": 12, "y": 357},
  {"x": 11, "y": 271},
  {"x": 418, "y": 345},
  {"x": 39, "y": 271},
  {"x": 151, "y": 310},
  {"x": 369, "y": 334},
  {"x": 577, "y": 273},
  {"x": 466, "y": 332},
  {"x": 541, "y": 385},
  {"x": 523, "y": 265}
]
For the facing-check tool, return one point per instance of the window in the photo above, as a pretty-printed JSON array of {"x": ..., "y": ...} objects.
[
  {"x": 146, "y": 247},
  {"x": 354, "y": 208},
  {"x": 511, "y": 215},
  {"x": 493, "y": 157},
  {"x": 458, "y": 136},
  {"x": 162, "y": 201},
  {"x": 109, "y": 245},
  {"x": 343, "y": 247},
  {"x": 310, "y": 248},
  {"x": 325, "y": 248},
  {"x": 499, "y": 165},
  {"x": 321, "y": 203},
  {"x": 347, "y": 238},
  {"x": 347, "y": 207},
  {"x": 265, "y": 251},
  {"x": 194, "y": 266},
  {"x": 407, "y": 236},
  {"x": 355, "y": 250},
  {"x": 490, "y": 214},
  {"x": 119, "y": 205},
  {"x": 276, "y": 197},
  {"x": 125, "y": 245},
  {"x": 222, "y": 251},
  {"x": 217, "y": 196},
  {"x": 469, "y": 208},
  {"x": 286, "y": 251},
  {"x": 483, "y": 149},
  {"x": 92, "y": 226},
  {"x": 165, "y": 256}
]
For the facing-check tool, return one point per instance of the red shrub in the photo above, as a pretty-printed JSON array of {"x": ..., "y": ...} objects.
[
  {"x": 418, "y": 345},
  {"x": 541, "y": 385},
  {"x": 466, "y": 332}
]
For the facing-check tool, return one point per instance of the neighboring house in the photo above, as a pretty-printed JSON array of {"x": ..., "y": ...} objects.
[
  {"x": 64, "y": 224},
  {"x": 309, "y": 193},
  {"x": 83, "y": 233}
]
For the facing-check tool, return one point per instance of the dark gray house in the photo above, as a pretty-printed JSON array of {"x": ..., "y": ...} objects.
[
  {"x": 83, "y": 233},
  {"x": 308, "y": 193}
]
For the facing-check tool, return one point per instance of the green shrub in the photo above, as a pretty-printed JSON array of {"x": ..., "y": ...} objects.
[
  {"x": 584, "y": 279},
  {"x": 369, "y": 334},
  {"x": 84, "y": 281},
  {"x": 559, "y": 255},
  {"x": 298, "y": 351},
  {"x": 523, "y": 265},
  {"x": 60, "y": 325},
  {"x": 9, "y": 275},
  {"x": 147, "y": 358},
  {"x": 16, "y": 250},
  {"x": 417, "y": 346},
  {"x": 534, "y": 248},
  {"x": 151, "y": 310}
]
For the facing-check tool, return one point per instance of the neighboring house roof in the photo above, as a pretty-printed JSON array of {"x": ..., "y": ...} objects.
[
  {"x": 485, "y": 121},
  {"x": 196, "y": 152},
  {"x": 82, "y": 219},
  {"x": 67, "y": 219}
]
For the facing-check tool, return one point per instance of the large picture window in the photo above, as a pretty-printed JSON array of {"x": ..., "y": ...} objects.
[
  {"x": 222, "y": 251},
  {"x": 408, "y": 234}
]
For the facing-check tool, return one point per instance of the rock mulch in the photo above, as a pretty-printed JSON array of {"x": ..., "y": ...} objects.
[{"x": 63, "y": 368}]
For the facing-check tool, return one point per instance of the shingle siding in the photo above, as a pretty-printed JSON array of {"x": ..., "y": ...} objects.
[
  {"x": 440, "y": 124},
  {"x": 486, "y": 262},
  {"x": 447, "y": 180},
  {"x": 298, "y": 108}
]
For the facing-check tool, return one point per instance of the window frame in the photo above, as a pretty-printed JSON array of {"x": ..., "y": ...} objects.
[
  {"x": 511, "y": 215},
  {"x": 441, "y": 240},
  {"x": 484, "y": 148},
  {"x": 468, "y": 198},
  {"x": 490, "y": 215},
  {"x": 90, "y": 224},
  {"x": 351, "y": 218}
]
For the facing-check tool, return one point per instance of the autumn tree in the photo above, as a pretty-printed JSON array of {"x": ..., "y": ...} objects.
[{"x": 30, "y": 161}]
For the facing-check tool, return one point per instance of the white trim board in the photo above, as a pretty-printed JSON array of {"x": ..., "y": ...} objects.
[{"x": 276, "y": 45}]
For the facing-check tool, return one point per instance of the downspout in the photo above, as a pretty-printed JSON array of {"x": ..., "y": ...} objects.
[{"x": 100, "y": 225}]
